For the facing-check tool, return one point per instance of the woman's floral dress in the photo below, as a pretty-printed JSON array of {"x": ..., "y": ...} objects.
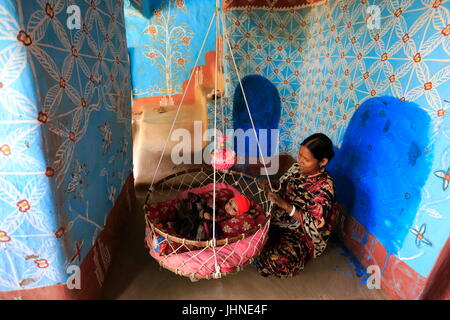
[{"x": 292, "y": 242}]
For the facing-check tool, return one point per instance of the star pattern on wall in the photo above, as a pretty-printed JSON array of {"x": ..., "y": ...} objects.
[{"x": 326, "y": 61}]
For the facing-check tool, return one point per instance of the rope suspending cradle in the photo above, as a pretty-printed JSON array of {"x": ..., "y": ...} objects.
[{"x": 236, "y": 246}]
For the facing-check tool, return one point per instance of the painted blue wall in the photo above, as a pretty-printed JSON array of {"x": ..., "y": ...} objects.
[
  {"x": 326, "y": 62},
  {"x": 265, "y": 107},
  {"x": 381, "y": 168},
  {"x": 65, "y": 135},
  {"x": 193, "y": 17}
]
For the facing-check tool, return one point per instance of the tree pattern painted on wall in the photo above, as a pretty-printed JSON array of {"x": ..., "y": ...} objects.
[{"x": 169, "y": 42}]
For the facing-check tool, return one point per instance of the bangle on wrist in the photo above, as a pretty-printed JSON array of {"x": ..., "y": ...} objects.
[{"x": 293, "y": 211}]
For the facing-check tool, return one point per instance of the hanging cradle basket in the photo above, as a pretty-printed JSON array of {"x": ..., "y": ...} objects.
[{"x": 242, "y": 237}]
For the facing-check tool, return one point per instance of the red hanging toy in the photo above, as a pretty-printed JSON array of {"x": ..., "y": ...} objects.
[{"x": 223, "y": 158}]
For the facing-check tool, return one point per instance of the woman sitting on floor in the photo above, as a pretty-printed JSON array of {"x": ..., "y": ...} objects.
[{"x": 301, "y": 212}]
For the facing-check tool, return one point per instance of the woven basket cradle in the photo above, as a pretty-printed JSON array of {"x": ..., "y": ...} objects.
[{"x": 205, "y": 259}]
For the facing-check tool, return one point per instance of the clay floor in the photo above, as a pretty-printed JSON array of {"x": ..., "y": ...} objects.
[{"x": 135, "y": 275}]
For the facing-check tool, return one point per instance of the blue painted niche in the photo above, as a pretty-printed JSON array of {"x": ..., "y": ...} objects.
[
  {"x": 382, "y": 166},
  {"x": 265, "y": 107}
]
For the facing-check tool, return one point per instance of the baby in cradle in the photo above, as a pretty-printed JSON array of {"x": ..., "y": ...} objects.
[{"x": 194, "y": 218}]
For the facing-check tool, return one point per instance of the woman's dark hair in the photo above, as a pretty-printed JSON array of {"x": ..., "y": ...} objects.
[{"x": 320, "y": 146}]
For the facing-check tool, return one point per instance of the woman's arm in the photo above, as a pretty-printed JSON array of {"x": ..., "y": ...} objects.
[{"x": 285, "y": 205}]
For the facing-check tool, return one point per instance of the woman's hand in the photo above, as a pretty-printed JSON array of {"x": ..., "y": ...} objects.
[
  {"x": 207, "y": 216},
  {"x": 276, "y": 199},
  {"x": 263, "y": 182},
  {"x": 266, "y": 186}
]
